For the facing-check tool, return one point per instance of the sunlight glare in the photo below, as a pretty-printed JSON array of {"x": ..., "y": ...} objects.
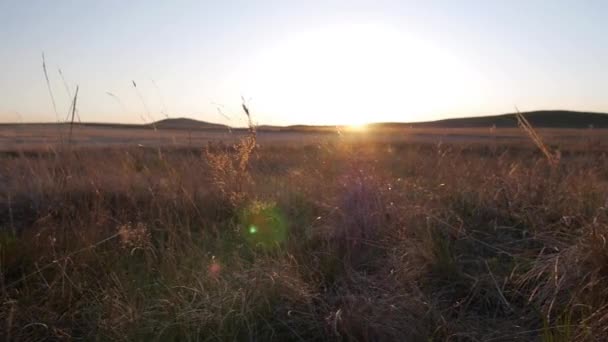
[
  {"x": 352, "y": 75},
  {"x": 357, "y": 127}
]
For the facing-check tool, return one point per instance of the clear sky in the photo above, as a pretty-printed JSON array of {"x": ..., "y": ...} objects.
[{"x": 310, "y": 62}]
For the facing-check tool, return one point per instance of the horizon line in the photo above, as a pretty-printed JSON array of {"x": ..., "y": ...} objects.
[{"x": 296, "y": 124}]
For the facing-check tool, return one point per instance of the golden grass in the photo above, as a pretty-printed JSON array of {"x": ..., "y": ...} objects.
[
  {"x": 552, "y": 157},
  {"x": 33, "y": 137},
  {"x": 343, "y": 239}
]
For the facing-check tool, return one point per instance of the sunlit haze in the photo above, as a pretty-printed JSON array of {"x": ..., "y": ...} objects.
[{"x": 296, "y": 62}]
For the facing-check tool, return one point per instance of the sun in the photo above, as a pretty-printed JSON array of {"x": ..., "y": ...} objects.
[
  {"x": 352, "y": 75},
  {"x": 357, "y": 127}
]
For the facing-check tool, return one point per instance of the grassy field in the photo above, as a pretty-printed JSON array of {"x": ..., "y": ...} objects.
[
  {"x": 418, "y": 235},
  {"x": 36, "y": 137}
]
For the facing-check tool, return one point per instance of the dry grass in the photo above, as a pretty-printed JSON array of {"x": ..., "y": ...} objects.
[
  {"x": 552, "y": 157},
  {"x": 341, "y": 240},
  {"x": 36, "y": 137}
]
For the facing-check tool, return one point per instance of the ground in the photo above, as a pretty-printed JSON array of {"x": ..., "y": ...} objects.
[{"x": 415, "y": 234}]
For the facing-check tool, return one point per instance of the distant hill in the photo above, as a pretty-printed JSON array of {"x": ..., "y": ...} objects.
[
  {"x": 296, "y": 128},
  {"x": 185, "y": 123},
  {"x": 539, "y": 119},
  {"x": 177, "y": 123}
]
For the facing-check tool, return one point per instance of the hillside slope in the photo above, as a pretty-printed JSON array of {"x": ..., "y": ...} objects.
[
  {"x": 185, "y": 123},
  {"x": 544, "y": 119}
]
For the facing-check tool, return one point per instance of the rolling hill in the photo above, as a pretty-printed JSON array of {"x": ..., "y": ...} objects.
[
  {"x": 185, "y": 123},
  {"x": 539, "y": 119}
]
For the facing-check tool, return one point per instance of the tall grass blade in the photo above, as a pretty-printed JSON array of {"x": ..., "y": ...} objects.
[
  {"x": 73, "y": 113},
  {"x": 522, "y": 122},
  {"x": 143, "y": 102},
  {"x": 48, "y": 85}
]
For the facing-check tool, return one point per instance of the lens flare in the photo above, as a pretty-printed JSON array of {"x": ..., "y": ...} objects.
[
  {"x": 264, "y": 224},
  {"x": 253, "y": 229},
  {"x": 214, "y": 269}
]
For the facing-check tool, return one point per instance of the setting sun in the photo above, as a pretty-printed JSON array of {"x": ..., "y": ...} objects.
[
  {"x": 357, "y": 127},
  {"x": 355, "y": 74}
]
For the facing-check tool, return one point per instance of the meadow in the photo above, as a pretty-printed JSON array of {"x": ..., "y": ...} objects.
[{"x": 420, "y": 235}]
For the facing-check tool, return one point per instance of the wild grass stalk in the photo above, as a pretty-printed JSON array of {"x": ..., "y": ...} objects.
[
  {"x": 49, "y": 88},
  {"x": 552, "y": 158},
  {"x": 69, "y": 95},
  {"x": 73, "y": 110},
  {"x": 149, "y": 117}
]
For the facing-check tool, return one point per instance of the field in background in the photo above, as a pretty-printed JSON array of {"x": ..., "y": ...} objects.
[
  {"x": 417, "y": 235},
  {"x": 32, "y": 137}
]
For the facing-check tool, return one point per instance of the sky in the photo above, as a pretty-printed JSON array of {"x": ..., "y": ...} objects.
[{"x": 300, "y": 62}]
